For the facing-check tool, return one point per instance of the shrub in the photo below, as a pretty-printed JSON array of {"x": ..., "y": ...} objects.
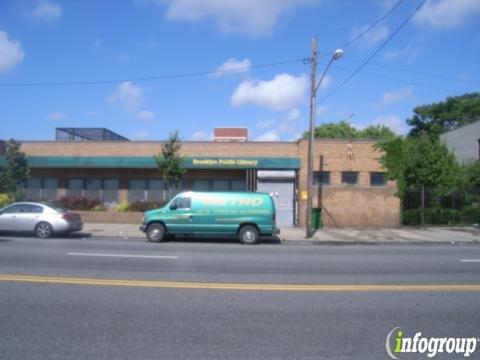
[
  {"x": 123, "y": 206},
  {"x": 142, "y": 206},
  {"x": 99, "y": 207},
  {"x": 4, "y": 200},
  {"x": 77, "y": 203}
]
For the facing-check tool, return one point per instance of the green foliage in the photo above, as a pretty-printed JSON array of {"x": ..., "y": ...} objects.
[
  {"x": 15, "y": 171},
  {"x": 99, "y": 207},
  {"x": 78, "y": 203},
  {"x": 450, "y": 114},
  {"x": 344, "y": 130},
  {"x": 417, "y": 162},
  {"x": 123, "y": 206},
  {"x": 170, "y": 162},
  {"x": 470, "y": 174},
  {"x": 4, "y": 200}
]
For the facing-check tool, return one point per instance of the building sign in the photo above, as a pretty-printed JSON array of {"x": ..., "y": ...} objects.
[{"x": 224, "y": 162}]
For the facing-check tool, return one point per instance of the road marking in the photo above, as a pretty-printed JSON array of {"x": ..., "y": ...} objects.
[
  {"x": 123, "y": 255},
  {"x": 242, "y": 287},
  {"x": 470, "y": 260}
]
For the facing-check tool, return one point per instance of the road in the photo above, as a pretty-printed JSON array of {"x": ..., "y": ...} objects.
[{"x": 196, "y": 299}]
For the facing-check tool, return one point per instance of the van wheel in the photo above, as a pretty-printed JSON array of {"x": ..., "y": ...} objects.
[
  {"x": 156, "y": 233},
  {"x": 43, "y": 230},
  {"x": 248, "y": 235}
]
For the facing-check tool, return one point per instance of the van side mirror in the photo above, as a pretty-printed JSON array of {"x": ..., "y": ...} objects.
[{"x": 173, "y": 206}]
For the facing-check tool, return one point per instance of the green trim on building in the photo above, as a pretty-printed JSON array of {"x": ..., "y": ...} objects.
[{"x": 148, "y": 162}]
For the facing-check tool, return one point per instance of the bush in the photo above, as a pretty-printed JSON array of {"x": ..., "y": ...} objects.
[
  {"x": 77, "y": 203},
  {"x": 4, "y": 200},
  {"x": 99, "y": 207},
  {"x": 433, "y": 216},
  {"x": 142, "y": 206},
  {"x": 123, "y": 206}
]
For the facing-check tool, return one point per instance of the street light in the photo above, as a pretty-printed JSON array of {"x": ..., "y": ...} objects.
[{"x": 337, "y": 54}]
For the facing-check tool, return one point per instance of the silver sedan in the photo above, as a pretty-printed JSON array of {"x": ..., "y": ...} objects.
[{"x": 43, "y": 220}]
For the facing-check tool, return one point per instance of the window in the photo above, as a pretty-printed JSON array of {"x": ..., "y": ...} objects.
[
  {"x": 75, "y": 187},
  {"x": 219, "y": 185},
  {"x": 378, "y": 179},
  {"x": 183, "y": 202},
  {"x": 33, "y": 188},
  {"x": 93, "y": 188},
  {"x": 50, "y": 189},
  {"x": 321, "y": 178},
  {"x": 349, "y": 178},
  {"x": 201, "y": 185},
  {"x": 155, "y": 190},
  {"x": 110, "y": 190},
  {"x": 14, "y": 209},
  {"x": 32, "y": 209},
  {"x": 137, "y": 190}
]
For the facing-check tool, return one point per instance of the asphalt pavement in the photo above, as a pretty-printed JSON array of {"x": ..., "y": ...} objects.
[{"x": 88, "y": 298}]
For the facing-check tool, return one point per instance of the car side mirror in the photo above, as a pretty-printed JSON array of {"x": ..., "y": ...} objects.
[{"x": 173, "y": 206}]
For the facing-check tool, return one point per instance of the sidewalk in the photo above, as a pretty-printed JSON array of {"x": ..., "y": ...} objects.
[{"x": 324, "y": 236}]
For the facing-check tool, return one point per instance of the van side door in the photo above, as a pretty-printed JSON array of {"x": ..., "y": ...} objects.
[{"x": 179, "y": 218}]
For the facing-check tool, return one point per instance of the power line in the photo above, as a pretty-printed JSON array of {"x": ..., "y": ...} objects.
[
  {"x": 371, "y": 27},
  {"x": 152, "y": 78},
  {"x": 357, "y": 70}
]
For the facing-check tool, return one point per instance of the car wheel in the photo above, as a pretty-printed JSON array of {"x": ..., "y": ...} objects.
[
  {"x": 156, "y": 232},
  {"x": 43, "y": 230},
  {"x": 248, "y": 235}
]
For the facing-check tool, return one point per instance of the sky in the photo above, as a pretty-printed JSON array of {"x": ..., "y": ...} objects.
[{"x": 147, "y": 68}]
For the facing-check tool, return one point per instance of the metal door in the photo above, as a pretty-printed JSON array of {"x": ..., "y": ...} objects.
[{"x": 283, "y": 196}]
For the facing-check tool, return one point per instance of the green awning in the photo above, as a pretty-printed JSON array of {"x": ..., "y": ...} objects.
[{"x": 148, "y": 162}]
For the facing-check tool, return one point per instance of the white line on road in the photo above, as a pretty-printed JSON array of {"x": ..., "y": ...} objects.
[
  {"x": 124, "y": 255},
  {"x": 470, "y": 260}
]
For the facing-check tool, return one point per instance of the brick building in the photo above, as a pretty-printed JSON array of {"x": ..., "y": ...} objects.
[{"x": 349, "y": 184}]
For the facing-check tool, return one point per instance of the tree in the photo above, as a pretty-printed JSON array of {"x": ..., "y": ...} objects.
[
  {"x": 15, "y": 170},
  {"x": 417, "y": 162},
  {"x": 450, "y": 114},
  {"x": 344, "y": 130},
  {"x": 170, "y": 162}
]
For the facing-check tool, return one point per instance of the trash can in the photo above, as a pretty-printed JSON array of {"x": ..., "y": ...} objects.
[{"x": 317, "y": 218}]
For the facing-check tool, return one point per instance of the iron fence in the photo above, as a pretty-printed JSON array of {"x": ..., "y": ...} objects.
[{"x": 427, "y": 206}]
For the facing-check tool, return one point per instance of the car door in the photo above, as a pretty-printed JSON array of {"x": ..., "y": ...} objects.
[
  {"x": 29, "y": 217},
  {"x": 9, "y": 217},
  {"x": 179, "y": 218}
]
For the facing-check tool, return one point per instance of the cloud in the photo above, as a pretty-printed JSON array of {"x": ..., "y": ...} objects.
[
  {"x": 56, "y": 116},
  {"x": 391, "y": 97},
  {"x": 393, "y": 122},
  {"x": 265, "y": 124},
  {"x": 282, "y": 93},
  {"x": 233, "y": 66},
  {"x": 45, "y": 10},
  {"x": 371, "y": 38},
  {"x": 252, "y": 17},
  {"x": 127, "y": 95},
  {"x": 201, "y": 136},
  {"x": 145, "y": 115},
  {"x": 271, "y": 135},
  {"x": 448, "y": 14},
  {"x": 408, "y": 53},
  {"x": 11, "y": 52},
  {"x": 141, "y": 135}
]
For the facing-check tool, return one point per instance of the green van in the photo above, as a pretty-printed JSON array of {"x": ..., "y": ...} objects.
[{"x": 244, "y": 214}]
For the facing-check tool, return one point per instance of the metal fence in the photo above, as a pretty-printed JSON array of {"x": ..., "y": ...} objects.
[{"x": 426, "y": 206}]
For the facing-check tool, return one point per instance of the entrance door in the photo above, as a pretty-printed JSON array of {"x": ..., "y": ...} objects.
[{"x": 283, "y": 191}]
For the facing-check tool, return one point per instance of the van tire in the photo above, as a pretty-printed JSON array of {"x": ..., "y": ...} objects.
[
  {"x": 156, "y": 232},
  {"x": 248, "y": 235}
]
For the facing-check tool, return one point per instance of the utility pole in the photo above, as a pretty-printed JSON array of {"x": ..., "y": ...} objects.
[{"x": 313, "y": 106}]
